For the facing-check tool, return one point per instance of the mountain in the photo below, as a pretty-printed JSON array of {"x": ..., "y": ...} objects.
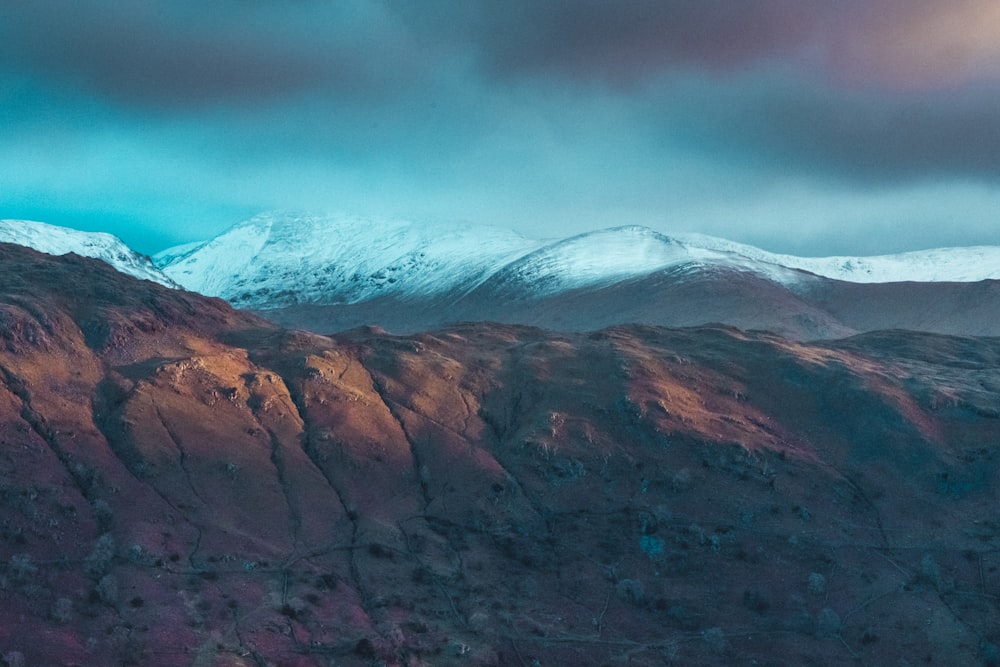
[
  {"x": 327, "y": 274},
  {"x": 56, "y": 240},
  {"x": 968, "y": 264},
  {"x": 276, "y": 260},
  {"x": 184, "y": 483},
  {"x": 333, "y": 273}
]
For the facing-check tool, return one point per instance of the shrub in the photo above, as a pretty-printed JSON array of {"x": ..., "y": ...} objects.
[
  {"x": 715, "y": 639},
  {"x": 816, "y": 583},
  {"x": 103, "y": 514},
  {"x": 22, "y": 567},
  {"x": 756, "y": 601},
  {"x": 930, "y": 571},
  {"x": 681, "y": 479},
  {"x": 630, "y": 590},
  {"x": 14, "y": 659},
  {"x": 990, "y": 654},
  {"x": 828, "y": 623},
  {"x": 98, "y": 562},
  {"x": 62, "y": 610},
  {"x": 107, "y": 589}
]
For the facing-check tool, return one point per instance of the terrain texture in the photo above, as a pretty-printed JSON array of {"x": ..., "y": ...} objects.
[{"x": 186, "y": 484}]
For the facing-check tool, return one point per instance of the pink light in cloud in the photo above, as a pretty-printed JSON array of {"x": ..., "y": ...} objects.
[
  {"x": 899, "y": 45},
  {"x": 917, "y": 44}
]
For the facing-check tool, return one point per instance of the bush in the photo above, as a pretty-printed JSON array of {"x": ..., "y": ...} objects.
[
  {"x": 107, "y": 589},
  {"x": 756, "y": 601},
  {"x": 62, "y": 610},
  {"x": 816, "y": 583},
  {"x": 828, "y": 623},
  {"x": 22, "y": 567},
  {"x": 630, "y": 590},
  {"x": 98, "y": 562},
  {"x": 715, "y": 639},
  {"x": 103, "y": 513},
  {"x": 990, "y": 654},
  {"x": 930, "y": 571},
  {"x": 13, "y": 659}
]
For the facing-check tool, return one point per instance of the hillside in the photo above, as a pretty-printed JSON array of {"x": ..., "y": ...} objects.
[{"x": 185, "y": 483}]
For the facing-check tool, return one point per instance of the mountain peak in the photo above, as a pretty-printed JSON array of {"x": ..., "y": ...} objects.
[
  {"x": 278, "y": 259},
  {"x": 55, "y": 240}
]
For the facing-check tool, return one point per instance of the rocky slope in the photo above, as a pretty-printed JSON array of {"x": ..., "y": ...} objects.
[{"x": 185, "y": 484}]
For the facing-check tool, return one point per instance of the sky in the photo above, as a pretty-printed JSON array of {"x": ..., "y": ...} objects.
[{"x": 814, "y": 127}]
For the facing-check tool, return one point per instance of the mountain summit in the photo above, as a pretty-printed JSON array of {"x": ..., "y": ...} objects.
[
  {"x": 276, "y": 260},
  {"x": 55, "y": 240}
]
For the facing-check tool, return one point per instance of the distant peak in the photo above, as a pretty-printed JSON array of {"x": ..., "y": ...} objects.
[{"x": 56, "y": 240}]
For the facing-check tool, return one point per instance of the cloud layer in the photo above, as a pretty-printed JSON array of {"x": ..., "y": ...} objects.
[{"x": 167, "y": 120}]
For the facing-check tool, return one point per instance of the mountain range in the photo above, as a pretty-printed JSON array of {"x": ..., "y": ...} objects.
[
  {"x": 184, "y": 483},
  {"x": 330, "y": 273}
]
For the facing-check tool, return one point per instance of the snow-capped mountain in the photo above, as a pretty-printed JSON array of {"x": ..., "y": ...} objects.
[
  {"x": 605, "y": 257},
  {"x": 276, "y": 260},
  {"x": 54, "y": 240},
  {"x": 968, "y": 264},
  {"x": 329, "y": 273}
]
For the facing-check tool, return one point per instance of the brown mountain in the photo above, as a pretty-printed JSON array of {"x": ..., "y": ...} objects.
[{"x": 185, "y": 484}]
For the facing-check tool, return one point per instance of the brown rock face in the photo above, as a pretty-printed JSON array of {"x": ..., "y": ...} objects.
[{"x": 184, "y": 484}]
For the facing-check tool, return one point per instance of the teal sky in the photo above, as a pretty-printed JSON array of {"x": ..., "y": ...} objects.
[{"x": 808, "y": 126}]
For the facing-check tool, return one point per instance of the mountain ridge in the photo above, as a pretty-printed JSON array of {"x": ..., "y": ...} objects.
[
  {"x": 391, "y": 256},
  {"x": 328, "y": 273},
  {"x": 185, "y": 482},
  {"x": 56, "y": 240}
]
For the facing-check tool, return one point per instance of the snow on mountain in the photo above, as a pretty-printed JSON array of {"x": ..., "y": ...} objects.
[
  {"x": 279, "y": 259},
  {"x": 604, "y": 257},
  {"x": 54, "y": 240},
  {"x": 970, "y": 264}
]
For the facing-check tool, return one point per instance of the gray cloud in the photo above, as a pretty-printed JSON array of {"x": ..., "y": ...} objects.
[
  {"x": 622, "y": 43},
  {"x": 553, "y": 116},
  {"x": 178, "y": 53},
  {"x": 861, "y": 135}
]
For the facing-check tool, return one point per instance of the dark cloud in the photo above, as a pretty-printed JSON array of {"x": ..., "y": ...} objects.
[
  {"x": 621, "y": 42},
  {"x": 865, "y": 136},
  {"x": 903, "y": 43},
  {"x": 557, "y": 114},
  {"x": 181, "y": 53}
]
